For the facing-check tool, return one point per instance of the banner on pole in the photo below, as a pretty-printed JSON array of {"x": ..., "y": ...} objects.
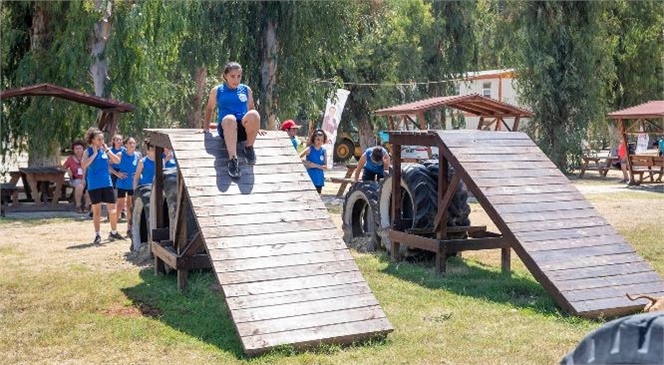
[{"x": 331, "y": 120}]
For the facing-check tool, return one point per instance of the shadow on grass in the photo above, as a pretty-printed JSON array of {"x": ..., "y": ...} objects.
[
  {"x": 477, "y": 280},
  {"x": 201, "y": 312}
]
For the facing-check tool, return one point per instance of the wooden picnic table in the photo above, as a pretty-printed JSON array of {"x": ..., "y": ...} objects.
[
  {"x": 36, "y": 177},
  {"x": 601, "y": 164}
]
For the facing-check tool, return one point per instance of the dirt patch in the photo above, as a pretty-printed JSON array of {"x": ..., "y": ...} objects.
[{"x": 134, "y": 311}]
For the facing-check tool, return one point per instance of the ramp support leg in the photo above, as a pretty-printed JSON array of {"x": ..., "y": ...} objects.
[
  {"x": 441, "y": 260},
  {"x": 505, "y": 260},
  {"x": 159, "y": 268},
  {"x": 183, "y": 275}
]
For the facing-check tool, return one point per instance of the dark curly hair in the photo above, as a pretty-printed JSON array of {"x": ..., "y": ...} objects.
[
  {"x": 317, "y": 132},
  {"x": 91, "y": 133}
]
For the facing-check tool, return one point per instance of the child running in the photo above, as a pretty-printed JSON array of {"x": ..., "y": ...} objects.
[
  {"x": 96, "y": 161},
  {"x": 128, "y": 164},
  {"x": 315, "y": 160}
]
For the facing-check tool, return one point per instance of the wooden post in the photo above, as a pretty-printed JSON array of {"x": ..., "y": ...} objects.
[
  {"x": 505, "y": 260},
  {"x": 396, "y": 188},
  {"x": 443, "y": 171},
  {"x": 515, "y": 127},
  {"x": 158, "y": 184},
  {"x": 180, "y": 238},
  {"x": 480, "y": 124}
]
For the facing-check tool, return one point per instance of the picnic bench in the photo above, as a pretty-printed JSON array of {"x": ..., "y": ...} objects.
[
  {"x": 646, "y": 166},
  {"x": 350, "y": 168},
  {"x": 39, "y": 185},
  {"x": 595, "y": 163}
]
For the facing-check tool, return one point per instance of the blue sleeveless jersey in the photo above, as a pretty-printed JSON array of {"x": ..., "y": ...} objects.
[
  {"x": 232, "y": 101},
  {"x": 372, "y": 166},
  {"x": 318, "y": 157},
  {"x": 97, "y": 175},
  {"x": 148, "y": 172},
  {"x": 116, "y": 152},
  {"x": 169, "y": 163},
  {"x": 128, "y": 165}
]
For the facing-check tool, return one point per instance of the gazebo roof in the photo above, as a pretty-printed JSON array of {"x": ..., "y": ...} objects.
[
  {"x": 651, "y": 110},
  {"x": 471, "y": 103},
  {"x": 68, "y": 94}
]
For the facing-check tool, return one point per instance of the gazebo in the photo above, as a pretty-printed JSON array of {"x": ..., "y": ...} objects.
[
  {"x": 109, "y": 118},
  {"x": 635, "y": 120}
]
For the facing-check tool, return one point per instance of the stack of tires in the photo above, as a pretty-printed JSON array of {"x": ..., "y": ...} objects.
[{"x": 368, "y": 205}]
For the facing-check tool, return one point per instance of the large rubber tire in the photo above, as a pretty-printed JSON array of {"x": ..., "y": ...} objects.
[
  {"x": 418, "y": 201},
  {"x": 343, "y": 150},
  {"x": 360, "y": 216},
  {"x": 637, "y": 339},
  {"x": 458, "y": 213},
  {"x": 140, "y": 218}
]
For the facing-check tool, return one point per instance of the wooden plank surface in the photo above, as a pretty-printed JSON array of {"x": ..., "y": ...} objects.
[
  {"x": 286, "y": 275},
  {"x": 583, "y": 261}
]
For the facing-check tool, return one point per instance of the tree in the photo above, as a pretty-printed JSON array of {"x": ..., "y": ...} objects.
[{"x": 563, "y": 61}]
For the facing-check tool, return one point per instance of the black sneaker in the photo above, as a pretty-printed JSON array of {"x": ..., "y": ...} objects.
[
  {"x": 233, "y": 168},
  {"x": 115, "y": 236},
  {"x": 97, "y": 240},
  {"x": 123, "y": 215},
  {"x": 250, "y": 155}
]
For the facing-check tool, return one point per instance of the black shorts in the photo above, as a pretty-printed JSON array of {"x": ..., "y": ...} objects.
[
  {"x": 371, "y": 176},
  {"x": 125, "y": 192},
  {"x": 102, "y": 195},
  {"x": 114, "y": 179},
  {"x": 241, "y": 132}
]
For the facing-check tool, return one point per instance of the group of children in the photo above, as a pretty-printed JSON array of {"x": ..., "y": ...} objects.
[{"x": 100, "y": 174}]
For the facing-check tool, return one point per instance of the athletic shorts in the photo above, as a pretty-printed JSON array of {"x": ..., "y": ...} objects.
[
  {"x": 371, "y": 176},
  {"x": 125, "y": 192},
  {"x": 75, "y": 183},
  {"x": 241, "y": 132},
  {"x": 102, "y": 195}
]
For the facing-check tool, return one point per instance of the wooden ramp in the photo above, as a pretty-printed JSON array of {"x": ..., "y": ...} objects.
[
  {"x": 287, "y": 276},
  {"x": 570, "y": 249}
]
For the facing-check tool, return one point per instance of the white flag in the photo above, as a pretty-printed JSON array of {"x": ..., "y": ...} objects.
[{"x": 331, "y": 122}]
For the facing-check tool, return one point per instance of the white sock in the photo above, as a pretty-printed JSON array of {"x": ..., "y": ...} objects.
[
  {"x": 98, "y": 233},
  {"x": 114, "y": 232}
]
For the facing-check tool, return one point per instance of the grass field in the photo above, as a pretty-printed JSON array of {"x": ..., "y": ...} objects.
[{"x": 64, "y": 301}]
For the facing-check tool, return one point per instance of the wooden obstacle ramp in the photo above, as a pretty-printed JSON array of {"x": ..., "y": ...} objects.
[
  {"x": 579, "y": 258},
  {"x": 287, "y": 276}
]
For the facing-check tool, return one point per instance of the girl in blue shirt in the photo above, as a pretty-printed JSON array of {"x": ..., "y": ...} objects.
[
  {"x": 168, "y": 158},
  {"x": 96, "y": 161},
  {"x": 128, "y": 164},
  {"x": 145, "y": 169},
  {"x": 315, "y": 159}
]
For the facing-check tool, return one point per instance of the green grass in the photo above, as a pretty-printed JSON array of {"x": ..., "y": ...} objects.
[{"x": 79, "y": 313}]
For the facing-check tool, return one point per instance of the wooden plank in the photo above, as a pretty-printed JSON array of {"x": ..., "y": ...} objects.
[
  {"x": 555, "y": 255},
  {"x": 257, "y": 208},
  {"x": 253, "y": 219},
  {"x": 196, "y": 170},
  {"x": 594, "y": 261},
  {"x": 262, "y": 229},
  {"x": 614, "y": 291},
  {"x": 245, "y": 189},
  {"x": 250, "y": 276},
  {"x": 600, "y": 276},
  {"x": 285, "y": 285},
  {"x": 565, "y": 233},
  {"x": 492, "y": 191},
  {"x": 539, "y": 198},
  {"x": 491, "y": 149},
  {"x": 506, "y": 166},
  {"x": 304, "y": 246},
  {"x": 453, "y": 145},
  {"x": 471, "y": 135},
  {"x": 528, "y": 181},
  {"x": 272, "y": 239},
  {"x": 297, "y": 322},
  {"x": 285, "y": 152},
  {"x": 340, "y": 292},
  {"x": 515, "y": 174},
  {"x": 613, "y": 306},
  {"x": 564, "y": 223},
  {"x": 251, "y": 263},
  {"x": 538, "y": 207},
  {"x": 343, "y": 333},
  {"x": 223, "y": 177},
  {"x": 546, "y": 215},
  {"x": 516, "y": 159},
  {"x": 187, "y": 144},
  {"x": 294, "y": 198},
  {"x": 561, "y": 244},
  {"x": 209, "y": 160},
  {"x": 314, "y": 306}
]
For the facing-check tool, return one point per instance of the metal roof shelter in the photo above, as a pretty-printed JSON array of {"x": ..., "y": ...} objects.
[
  {"x": 475, "y": 104},
  {"x": 109, "y": 118}
]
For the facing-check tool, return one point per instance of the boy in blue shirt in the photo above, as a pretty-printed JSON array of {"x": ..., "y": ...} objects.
[
  {"x": 291, "y": 128},
  {"x": 375, "y": 162}
]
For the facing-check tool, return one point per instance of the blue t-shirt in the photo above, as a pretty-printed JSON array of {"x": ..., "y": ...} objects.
[
  {"x": 232, "y": 101},
  {"x": 318, "y": 157},
  {"x": 169, "y": 163},
  {"x": 661, "y": 146},
  {"x": 97, "y": 175},
  {"x": 148, "y": 172},
  {"x": 115, "y": 166},
  {"x": 294, "y": 142},
  {"x": 128, "y": 165},
  {"x": 372, "y": 166}
]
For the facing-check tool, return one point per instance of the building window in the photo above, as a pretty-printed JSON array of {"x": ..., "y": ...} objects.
[{"x": 486, "y": 89}]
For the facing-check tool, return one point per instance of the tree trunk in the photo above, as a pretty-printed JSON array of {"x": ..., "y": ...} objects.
[
  {"x": 40, "y": 37},
  {"x": 100, "y": 34},
  {"x": 195, "y": 115},
  {"x": 43, "y": 155},
  {"x": 614, "y": 135},
  {"x": 438, "y": 121},
  {"x": 270, "y": 49}
]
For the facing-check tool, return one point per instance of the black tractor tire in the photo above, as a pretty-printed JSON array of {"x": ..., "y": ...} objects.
[
  {"x": 140, "y": 218},
  {"x": 458, "y": 213},
  {"x": 636, "y": 339},
  {"x": 360, "y": 216},
  {"x": 343, "y": 150},
  {"x": 418, "y": 201}
]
